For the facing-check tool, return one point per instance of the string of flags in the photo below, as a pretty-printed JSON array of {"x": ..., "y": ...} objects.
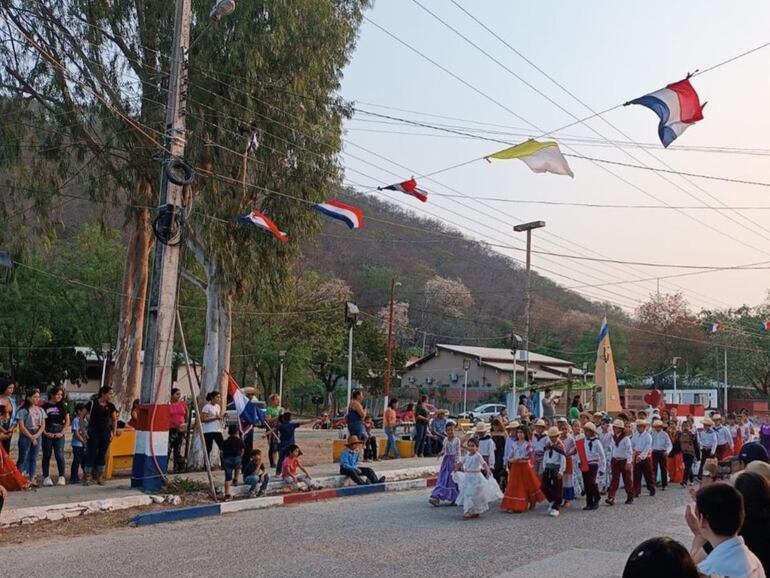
[
  {"x": 677, "y": 106},
  {"x": 764, "y": 325}
]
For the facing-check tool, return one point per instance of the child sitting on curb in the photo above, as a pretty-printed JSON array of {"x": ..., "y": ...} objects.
[
  {"x": 254, "y": 474},
  {"x": 291, "y": 465}
]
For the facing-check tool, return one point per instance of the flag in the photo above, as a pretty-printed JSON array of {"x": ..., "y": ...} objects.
[
  {"x": 677, "y": 106},
  {"x": 262, "y": 222},
  {"x": 606, "y": 394},
  {"x": 713, "y": 327},
  {"x": 540, "y": 157},
  {"x": 249, "y": 413},
  {"x": 764, "y": 325},
  {"x": 352, "y": 216},
  {"x": 408, "y": 187}
]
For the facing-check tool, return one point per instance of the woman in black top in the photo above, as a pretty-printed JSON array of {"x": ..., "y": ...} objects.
[
  {"x": 56, "y": 424},
  {"x": 102, "y": 427},
  {"x": 755, "y": 490}
]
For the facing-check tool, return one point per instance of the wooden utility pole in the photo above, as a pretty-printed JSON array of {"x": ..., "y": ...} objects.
[
  {"x": 389, "y": 356},
  {"x": 159, "y": 346}
]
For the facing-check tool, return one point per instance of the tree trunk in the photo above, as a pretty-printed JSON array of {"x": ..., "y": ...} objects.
[
  {"x": 225, "y": 342},
  {"x": 125, "y": 376}
]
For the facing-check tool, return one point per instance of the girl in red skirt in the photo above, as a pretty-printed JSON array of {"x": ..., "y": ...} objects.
[{"x": 523, "y": 489}]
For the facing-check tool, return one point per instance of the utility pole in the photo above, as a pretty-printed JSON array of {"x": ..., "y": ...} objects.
[
  {"x": 156, "y": 371},
  {"x": 528, "y": 227},
  {"x": 725, "y": 410},
  {"x": 389, "y": 355}
]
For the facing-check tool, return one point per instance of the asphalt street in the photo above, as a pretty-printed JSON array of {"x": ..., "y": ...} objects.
[{"x": 397, "y": 534}]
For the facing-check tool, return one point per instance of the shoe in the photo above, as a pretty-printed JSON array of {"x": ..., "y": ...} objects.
[
  {"x": 252, "y": 495},
  {"x": 554, "y": 513},
  {"x": 594, "y": 507},
  {"x": 61, "y": 481},
  {"x": 47, "y": 482},
  {"x": 228, "y": 498},
  {"x": 610, "y": 502},
  {"x": 629, "y": 501},
  {"x": 434, "y": 502},
  {"x": 652, "y": 492},
  {"x": 663, "y": 489},
  {"x": 260, "y": 493},
  {"x": 587, "y": 508},
  {"x": 381, "y": 480}
]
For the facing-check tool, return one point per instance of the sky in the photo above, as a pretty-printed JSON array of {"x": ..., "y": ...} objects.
[{"x": 605, "y": 53}]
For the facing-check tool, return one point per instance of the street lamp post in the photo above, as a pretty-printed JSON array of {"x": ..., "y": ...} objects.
[
  {"x": 105, "y": 353},
  {"x": 351, "y": 318},
  {"x": 466, "y": 367},
  {"x": 389, "y": 358},
  {"x": 515, "y": 345},
  {"x": 528, "y": 227},
  {"x": 281, "y": 357},
  {"x": 674, "y": 363}
]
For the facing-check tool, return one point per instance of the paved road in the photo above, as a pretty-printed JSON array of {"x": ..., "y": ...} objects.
[{"x": 382, "y": 535}]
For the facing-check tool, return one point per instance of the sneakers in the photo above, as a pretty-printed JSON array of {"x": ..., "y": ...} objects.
[
  {"x": 381, "y": 480},
  {"x": 61, "y": 481},
  {"x": 554, "y": 513},
  {"x": 47, "y": 482},
  {"x": 260, "y": 493}
]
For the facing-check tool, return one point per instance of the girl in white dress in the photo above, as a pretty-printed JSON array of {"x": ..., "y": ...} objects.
[{"x": 477, "y": 486}]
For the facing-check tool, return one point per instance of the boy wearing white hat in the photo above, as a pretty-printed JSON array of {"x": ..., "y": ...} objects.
[
  {"x": 539, "y": 443},
  {"x": 554, "y": 465},
  {"x": 596, "y": 461},
  {"x": 661, "y": 446},
  {"x": 622, "y": 453},
  {"x": 642, "y": 445},
  {"x": 708, "y": 444},
  {"x": 724, "y": 438}
]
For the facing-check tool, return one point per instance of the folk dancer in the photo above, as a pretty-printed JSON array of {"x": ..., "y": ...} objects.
[
  {"x": 724, "y": 439},
  {"x": 539, "y": 442},
  {"x": 522, "y": 491},
  {"x": 708, "y": 444},
  {"x": 554, "y": 465},
  {"x": 661, "y": 447},
  {"x": 622, "y": 454},
  {"x": 642, "y": 444},
  {"x": 596, "y": 461}
]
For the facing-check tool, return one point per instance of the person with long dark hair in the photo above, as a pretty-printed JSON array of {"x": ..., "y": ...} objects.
[
  {"x": 755, "y": 490},
  {"x": 8, "y": 399},
  {"x": 56, "y": 423},
  {"x": 102, "y": 427},
  {"x": 660, "y": 557},
  {"x": 211, "y": 420},
  {"x": 31, "y": 420}
]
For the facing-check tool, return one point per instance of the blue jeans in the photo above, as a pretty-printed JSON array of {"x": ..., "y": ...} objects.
[
  {"x": 96, "y": 451},
  {"x": 390, "y": 432},
  {"x": 55, "y": 446},
  {"x": 27, "y": 456},
  {"x": 420, "y": 431},
  {"x": 78, "y": 457},
  {"x": 230, "y": 464},
  {"x": 357, "y": 429},
  {"x": 253, "y": 481}
]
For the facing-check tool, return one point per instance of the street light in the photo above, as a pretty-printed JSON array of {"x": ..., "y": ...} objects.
[
  {"x": 221, "y": 9},
  {"x": 515, "y": 345},
  {"x": 528, "y": 227},
  {"x": 466, "y": 367},
  {"x": 389, "y": 357},
  {"x": 674, "y": 363},
  {"x": 281, "y": 357},
  {"x": 351, "y": 318},
  {"x": 105, "y": 353}
]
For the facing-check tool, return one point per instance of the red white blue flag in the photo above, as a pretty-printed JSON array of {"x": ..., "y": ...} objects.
[
  {"x": 713, "y": 327},
  {"x": 260, "y": 221},
  {"x": 353, "y": 217},
  {"x": 408, "y": 187},
  {"x": 677, "y": 106},
  {"x": 765, "y": 325}
]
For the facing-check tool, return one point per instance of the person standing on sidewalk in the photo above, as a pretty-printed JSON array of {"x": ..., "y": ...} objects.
[
  {"x": 31, "y": 419},
  {"x": 356, "y": 414},
  {"x": 273, "y": 412},
  {"x": 8, "y": 400},
  {"x": 211, "y": 420},
  {"x": 57, "y": 420},
  {"x": 79, "y": 441},
  {"x": 421, "y": 421},
  {"x": 177, "y": 427},
  {"x": 102, "y": 427},
  {"x": 390, "y": 422}
]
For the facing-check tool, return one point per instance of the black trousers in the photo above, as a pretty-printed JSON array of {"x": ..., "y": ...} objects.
[
  {"x": 211, "y": 438},
  {"x": 370, "y": 448},
  {"x": 704, "y": 455},
  {"x": 368, "y": 473},
  {"x": 688, "y": 460}
]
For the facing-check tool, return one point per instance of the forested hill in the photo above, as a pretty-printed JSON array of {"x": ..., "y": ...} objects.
[{"x": 417, "y": 250}]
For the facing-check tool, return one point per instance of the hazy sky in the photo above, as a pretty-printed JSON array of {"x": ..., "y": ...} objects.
[{"x": 605, "y": 53}]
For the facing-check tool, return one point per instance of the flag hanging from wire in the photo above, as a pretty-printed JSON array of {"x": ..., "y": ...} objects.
[
  {"x": 262, "y": 222},
  {"x": 713, "y": 327},
  {"x": 408, "y": 187},
  {"x": 677, "y": 106},
  {"x": 540, "y": 157},
  {"x": 353, "y": 217},
  {"x": 764, "y": 325}
]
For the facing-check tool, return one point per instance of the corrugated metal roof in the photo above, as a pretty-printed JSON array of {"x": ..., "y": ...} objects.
[{"x": 502, "y": 354}]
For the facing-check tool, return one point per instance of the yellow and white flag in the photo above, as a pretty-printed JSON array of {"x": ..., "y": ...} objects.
[{"x": 541, "y": 157}]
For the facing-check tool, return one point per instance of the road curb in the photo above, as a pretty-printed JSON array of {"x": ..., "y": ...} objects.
[{"x": 191, "y": 512}]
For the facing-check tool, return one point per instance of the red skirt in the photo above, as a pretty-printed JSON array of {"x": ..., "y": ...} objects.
[
  {"x": 675, "y": 467},
  {"x": 523, "y": 488},
  {"x": 10, "y": 476}
]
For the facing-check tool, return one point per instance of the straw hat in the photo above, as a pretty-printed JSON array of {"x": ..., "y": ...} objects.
[
  {"x": 657, "y": 423},
  {"x": 708, "y": 421},
  {"x": 618, "y": 423},
  {"x": 553, "y": 432},
  {"x": 716, "y": 417},
  {"x": 562, "y": 420},
  {"x": 481, "y": 427},
  {"x": 590, "y": 426},
  {"x": 513, "y": 425},
  {"x": 642, "y": 422},
  {"x": 442, "y": 412},
  {"x": 353, "y": 440},
  {"x": 598, "y": 414},
  {"x": 540, "y": 423}
]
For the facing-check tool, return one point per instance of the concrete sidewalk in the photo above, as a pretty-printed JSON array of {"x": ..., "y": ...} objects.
[{"x": 119, "y": 488}]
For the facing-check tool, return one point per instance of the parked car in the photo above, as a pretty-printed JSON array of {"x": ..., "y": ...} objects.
[
  {"x": 231, "y": 414},
  {"x": 486, "y": 412}
]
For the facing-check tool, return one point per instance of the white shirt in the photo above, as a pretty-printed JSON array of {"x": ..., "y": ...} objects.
[
  {"x": 732, "y": 558},
  {"x": 661, "y": 441},
  {"x": 606, "y": 438},
  {"x": 745, "y": 432},
  {"x": 642, "y": 444},
  {"x": 623, "y": 450},
  {"x": 213, "y": 426},
  {"x": 538, "y": 445},
  {"x": 595, "y": 452},
  {"x": 487, "y": 450},
  {"x": 723, "y": 436},
  {"x": 553, "y": 457},
  {"x": 516, "y": 450},
  {"x": 708, "y": 440},
  {"x": 452, "y": 447}
]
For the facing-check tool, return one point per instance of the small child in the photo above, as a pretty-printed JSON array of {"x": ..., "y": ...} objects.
[
  {"x": 477, "y": 486},
  {"x": 370, "y": 445},
  {"x": 232, "y": 457},
  {"x": 79, "y": 442},
  {"x": 254, "y": 473},
  {"x": 291, "y": 464}
]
